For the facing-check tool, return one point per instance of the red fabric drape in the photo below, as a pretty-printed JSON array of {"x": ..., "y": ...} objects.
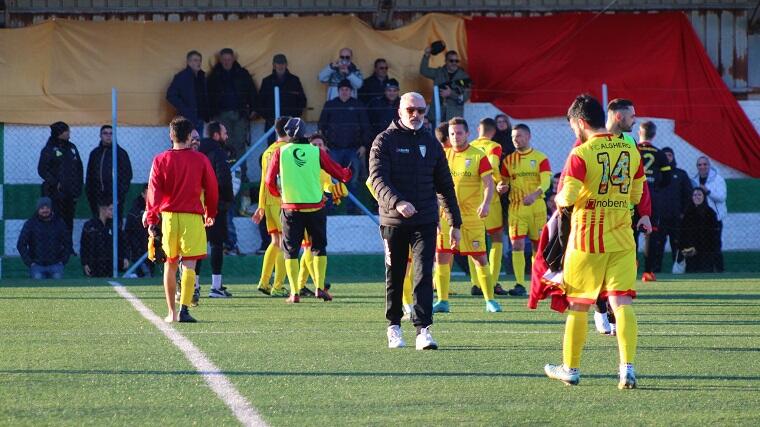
[{"x": 534, "y": 67}]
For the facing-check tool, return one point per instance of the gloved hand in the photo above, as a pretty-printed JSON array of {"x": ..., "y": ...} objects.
[{"x": 338, "y": 191}]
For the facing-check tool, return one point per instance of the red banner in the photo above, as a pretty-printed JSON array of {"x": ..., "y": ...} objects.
[{"x": 534, "y": 67}]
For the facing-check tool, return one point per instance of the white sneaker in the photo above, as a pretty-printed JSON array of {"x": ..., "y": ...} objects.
[
  {"x": 602, "y": 322},
  {"x": 613, "y": 329},
  {"x": 425, "y": 340},
  {"x": 395, "y": 339},
  {"x": 627, "y": 377}
]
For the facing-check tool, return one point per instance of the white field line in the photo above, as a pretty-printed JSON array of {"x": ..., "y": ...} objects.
[{"x": 214, "y": 377}]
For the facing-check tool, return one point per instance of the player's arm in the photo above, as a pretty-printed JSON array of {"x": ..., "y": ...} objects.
[
  {"x": 154, "y": 195},
  {"x": 571, "y": 181},
  {"x": 545, "y": 175},
  {"x": 637, "y": 185},
  {"x": 486, "y": 174},
  {"x": 503, "y": 186},
  {"x": 264, "y": 195},
  {"x": 272, "y": 171},
  {"x": 333, "y": 168},
  {"x": 494, "y": 158}
]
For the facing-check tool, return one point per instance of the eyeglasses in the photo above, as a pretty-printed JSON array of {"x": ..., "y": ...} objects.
[
  {"x": 345, "y": 57},
  {"x": 412, "y": 110},
  {"x": 107, "y": 133},
  {"x": 453, "y": 61},
  {"x": 382, "y": 68}
]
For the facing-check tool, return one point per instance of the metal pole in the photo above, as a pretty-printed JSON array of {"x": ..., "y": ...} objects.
[
  {"x": 604, "y": 97},
  {"x": 114, "y": 178},
  {"x": 437, "y": 104},
  {"x": 276, "y": 102}
]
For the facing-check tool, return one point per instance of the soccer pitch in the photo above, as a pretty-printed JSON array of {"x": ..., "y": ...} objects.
[{"x": 78, "y": 353}]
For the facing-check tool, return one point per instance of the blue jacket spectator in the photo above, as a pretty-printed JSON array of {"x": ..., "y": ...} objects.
[
  {"x": 187, "y": 92},
  {"x": 344, "y": 121},
  {"x": 382, "y": 110},
  {"x": 44, "y": 243},
  {"x": 374, "y": 85}
]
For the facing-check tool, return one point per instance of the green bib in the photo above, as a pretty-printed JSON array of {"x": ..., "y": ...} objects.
[{"x": 299, "y": 174}]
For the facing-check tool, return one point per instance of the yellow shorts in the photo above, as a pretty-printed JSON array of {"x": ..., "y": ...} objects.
[
  {"x": 588, "y": 276},
  {"x": 272, "y": 215},
  {"x": 494, "y": 221},
  {"x": 527, "y": 221},
  {"x": 473, "y": 239},
  {"x": 184, "y": 235}
]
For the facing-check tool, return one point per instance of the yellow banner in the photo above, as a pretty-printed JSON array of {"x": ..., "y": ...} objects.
[{"x": 64, "y": 70}]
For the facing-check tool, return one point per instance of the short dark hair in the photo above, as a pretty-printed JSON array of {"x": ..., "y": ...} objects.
[
  {"x": 279, "y": 126},
  {"x": 589, "y": 109},
  {"x": 451, "y": 52},
  {"x": 193, "y": 53},
  {"x": 459, "y": 121},
  {"x": 181, "y": 128},
  {"x": 104, "y": 127},
  {"x": 442, "y": 132},
  {"x": 105, "y": 201},
  {"x": 214, "y": 127},
  {"x": 226, "y": 51},
  {"x": 379, "y": 60},
  {"x": 649, "y": 128},
  {"x": 521, "y": 126},
  {"x": 488, "y": 124},
  {"x": 317, "y": 135},
  {"x": 619, "y": 104}
]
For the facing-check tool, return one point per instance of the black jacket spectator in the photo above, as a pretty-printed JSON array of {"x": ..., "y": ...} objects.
[
  {"x": 699, "y": 231},
  {"x": 99, "y": 183},
  {"x": 60, "y": 168},
  {"x": 382, "y": 112},
  {"x": 96, "y": 247},
  {"x": 44, "y": 241},
  {"x": 410, "y": 165},
  {"x": 372, "y": 87},
  {"x": 504, "y": 138},
  {"x": 671, "y": 201},
  {"x": 187, "y": 93},
  {"x": 345, "y": 124},
  {"x": 218, "y": 158},
  {"x": 135, "y": 235},
  {"x": 231, "y": 90},
  {"x": 292, "y": 96}
]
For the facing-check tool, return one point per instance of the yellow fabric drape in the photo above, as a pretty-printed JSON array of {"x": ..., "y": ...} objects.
[{"x": 64, "y": 70}]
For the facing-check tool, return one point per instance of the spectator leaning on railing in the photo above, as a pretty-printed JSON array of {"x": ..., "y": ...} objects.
[
  {"x": 453, "y": 82},
  {"x": 44, "y": 243}
]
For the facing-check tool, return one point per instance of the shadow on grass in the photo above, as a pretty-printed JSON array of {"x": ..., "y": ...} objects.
[{"x": 681, "y": 296}]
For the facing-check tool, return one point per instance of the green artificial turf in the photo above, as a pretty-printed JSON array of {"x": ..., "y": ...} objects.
[{"x": 76, "y": 353}]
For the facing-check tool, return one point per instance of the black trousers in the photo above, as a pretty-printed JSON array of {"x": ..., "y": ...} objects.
[
  {"x": 293, "y": 225},
  {"x": 668, "y": 228},
  {"x": 65, "y": 208},
  {"x": 397, "y": 241}
]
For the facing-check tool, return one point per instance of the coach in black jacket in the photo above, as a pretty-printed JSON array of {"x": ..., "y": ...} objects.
[
  {"x": 99, "y": 182},
  {"x": 408, "y": 175},
  {"x": 60, "y": 168},
  {"x": 213, "y": 148}
]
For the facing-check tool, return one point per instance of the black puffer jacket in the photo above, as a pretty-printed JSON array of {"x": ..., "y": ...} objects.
[
  {"x": 218, "y": 158},
  {"x": 409, "y": 165},
  {"x": 60, "y": 163}
]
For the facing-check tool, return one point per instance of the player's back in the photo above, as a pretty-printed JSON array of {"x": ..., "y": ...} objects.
[
  {"x": 467, "y": 167},
  {"x": 264, "y": 196},
  {"x": 181, "y": 176},
  {"x": 492, "y": 150},
  {"x": 654, "y": 162},
  {"x": 602, "y": 179}
]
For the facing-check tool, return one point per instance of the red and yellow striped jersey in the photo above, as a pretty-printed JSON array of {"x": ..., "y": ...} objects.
[
  {"x": 525, "y": 173},
  {"x": 467, "y": 169},
  {"x": 601, "y": 179}
]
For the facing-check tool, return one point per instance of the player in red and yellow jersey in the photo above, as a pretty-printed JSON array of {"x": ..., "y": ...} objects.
[
  {"x": 527, "y": 176},
  {"x": 474, "y": 187},
  {"x": 269, "y": 209},
  {"x": 178, "y": 177},
  {"x": 494, "y": 222},
  {"x": 602, "y": 179}
]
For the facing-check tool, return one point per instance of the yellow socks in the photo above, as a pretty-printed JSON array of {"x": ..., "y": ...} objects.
[
  {"x": 442, "y": 274},
  {"x": 291, "y": 266},
  {"x": 187, "y": 284},
  {"x": 279, "y": 270},
  {"x": 627, "y": 333},
  {"x": 494, "y": 260},
  {"x": 484, "y": 278},
  {"x": 270, "y": 258},
  {"x": 319, "y": 271},
  {"x": 576, "y": 329},
  {"x": 473, "y": 275},
  {"x": 406, "y": 297},
  {"x": 306, "y": 270},
  {"x": 518, "y": 265}
]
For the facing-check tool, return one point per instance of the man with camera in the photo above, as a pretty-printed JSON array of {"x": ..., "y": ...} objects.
[{"x": 452, "y": 81}]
